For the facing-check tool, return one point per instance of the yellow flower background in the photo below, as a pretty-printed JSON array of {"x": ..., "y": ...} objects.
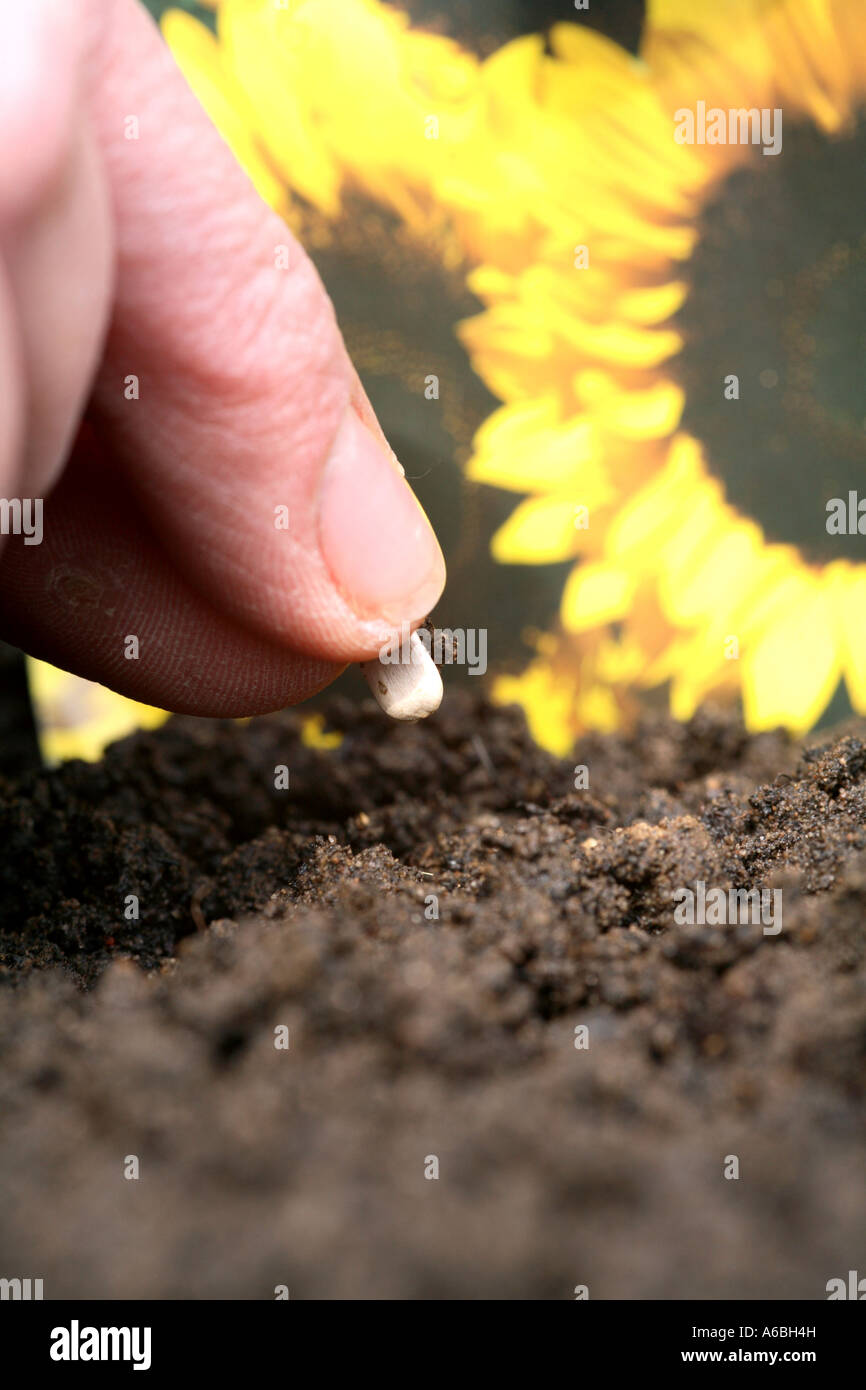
[{"x": 550, "y": 173}]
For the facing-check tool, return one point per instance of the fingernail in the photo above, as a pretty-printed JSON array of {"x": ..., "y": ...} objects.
[{"x": 375, "y": 539}]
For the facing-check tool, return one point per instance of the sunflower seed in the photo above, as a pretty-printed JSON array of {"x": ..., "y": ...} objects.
[{"x": 406, "y": 689}]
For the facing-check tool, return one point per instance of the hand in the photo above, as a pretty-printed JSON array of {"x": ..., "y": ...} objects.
[{"x": 170, "y": 390}]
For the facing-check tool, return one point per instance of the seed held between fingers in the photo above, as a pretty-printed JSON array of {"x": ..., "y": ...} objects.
[{"x": 408, "y": 690}]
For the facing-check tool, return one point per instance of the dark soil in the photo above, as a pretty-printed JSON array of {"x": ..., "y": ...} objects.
[{"x": 412, "y": 1036}]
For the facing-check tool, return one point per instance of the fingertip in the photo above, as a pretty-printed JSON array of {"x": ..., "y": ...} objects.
[
  {"x": 250, "y": 444},
  {"x": 375, "y": 539}
]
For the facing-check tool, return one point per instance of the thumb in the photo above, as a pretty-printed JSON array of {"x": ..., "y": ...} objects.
[{"x": 226, "y": 395}]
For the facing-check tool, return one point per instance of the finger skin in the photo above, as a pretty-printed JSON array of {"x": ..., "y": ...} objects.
[
  {"x": 11, "y": 390},
  {"x": 41, "y": 57},
  {"x": 59, "y": 260},
  {"x": 245, "y": 384},
  {"x": 100, "y": 576},
  {"x": 56, "y": 253}
]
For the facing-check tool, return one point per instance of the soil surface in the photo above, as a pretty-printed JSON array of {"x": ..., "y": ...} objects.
[{"x": 415, "y": 1038}]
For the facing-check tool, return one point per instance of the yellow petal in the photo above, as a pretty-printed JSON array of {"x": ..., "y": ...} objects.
[
  {"x": 197, "y": 54},
  {"x": 268, "y": 52},
  {"x": 653, "y": 305},
  {"x": 847, "y": 588},
  {"x": 540, "y": 531},
  {"x": 598, "y": 709},
  {"x": 726, "y": 565},
  {"x": 647, "y": 521},
  {"x": 76, "y": 718},
  {"x": 548, "y": 703},
  {"x": 526, "y": 447},
  {"x": 624, "y": 344},
  {"x": 792, "y": 670},
  {"x": 595, "y": 594},
  {"x": 650, "y": 414},
  {"x": 314, "y": 734}
]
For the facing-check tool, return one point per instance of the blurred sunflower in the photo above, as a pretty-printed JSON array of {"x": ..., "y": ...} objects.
[
  {"x": 613, "y": 377},
  {"x": 626, "y": 279}
]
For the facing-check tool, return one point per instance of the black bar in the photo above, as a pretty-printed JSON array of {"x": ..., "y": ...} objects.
[{"x": 229, "y": 1338}]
